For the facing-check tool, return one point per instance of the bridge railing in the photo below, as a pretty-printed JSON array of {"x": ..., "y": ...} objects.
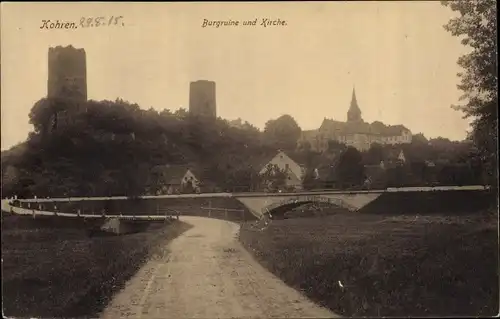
[
  {"x": 29, "y": 211},
  {"x": 210, "y": 212},
  {"x": 253, "y": 193}
]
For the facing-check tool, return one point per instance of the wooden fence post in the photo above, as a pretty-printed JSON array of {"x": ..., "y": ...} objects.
[
  {"x": 209, "y": 208},
  {"x": 225, "y": 213}
]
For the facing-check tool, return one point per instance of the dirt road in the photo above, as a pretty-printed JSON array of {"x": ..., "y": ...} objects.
[{"x": 208, "y": 274}]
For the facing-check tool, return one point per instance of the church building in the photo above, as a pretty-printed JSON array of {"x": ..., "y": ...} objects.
[{"x": 355, "y": 132}]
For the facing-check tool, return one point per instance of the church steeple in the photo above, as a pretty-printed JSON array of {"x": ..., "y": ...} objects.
[{"x": 354, "y": 113}]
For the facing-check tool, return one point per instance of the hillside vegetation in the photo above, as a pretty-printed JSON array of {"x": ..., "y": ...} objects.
[{"x": 106, "y": 148}]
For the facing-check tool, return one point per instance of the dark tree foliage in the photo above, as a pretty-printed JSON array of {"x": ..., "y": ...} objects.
[
  {"x": 350, "y": 170},
  {"x": 274, "y": 178},
  {"x": 282, "y": 132},
  {"x": 374, "y": 155},
  {"x": 111, "y": 147},
  {"x": 311, "y": 181},
  {"x": 476, "y": 26}
]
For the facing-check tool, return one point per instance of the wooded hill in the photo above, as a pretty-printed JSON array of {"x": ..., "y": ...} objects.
[{"x": 104, "y": 148}]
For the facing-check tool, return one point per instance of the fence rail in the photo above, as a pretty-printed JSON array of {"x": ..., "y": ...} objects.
[
  {"x": 166, "y": 214},
  {"x": 225, "y": 210},
  {"x": 258, "y": 194}
]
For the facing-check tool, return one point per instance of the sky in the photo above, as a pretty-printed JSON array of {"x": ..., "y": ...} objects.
[{"x": 397, "y": 55}]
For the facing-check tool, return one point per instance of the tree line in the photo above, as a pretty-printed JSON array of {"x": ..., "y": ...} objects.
[{"x": 111, "y": 148}]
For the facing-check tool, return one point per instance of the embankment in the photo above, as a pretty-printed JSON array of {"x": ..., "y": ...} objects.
[
  {"x": 456, "y": 202},
  {"x": 373, "y": 265},
  {"x": 53, "y": 267}
]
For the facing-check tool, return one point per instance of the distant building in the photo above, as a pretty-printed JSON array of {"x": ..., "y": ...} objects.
[
  {"x": 395, "y": 156},
  {"x": 430, "y": 163},
  {"x": 174, "y": 179},
  {"x": 67, "y": 73},
  {"x": 402, "y": 157},
  {"x": 294, "y": 171},
  {"x": 238, "y": 123},
  {"x": 355, "y": 132},
  {"x": 202, "y": 98}
]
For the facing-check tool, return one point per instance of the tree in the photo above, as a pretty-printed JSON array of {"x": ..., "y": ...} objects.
[
  {"x": 242, "y": 179},
  {"x": 282, "y": 132},
  {"x": 274, "y": 178},
  {"x": 306, "y": 146},
  {"x": 311, "y": 181},
  {"x": 350, "y": 169},
  {"x": 420, "y": 138},
  {"x": 477, "y": 27},
  {"x": 374, "y": 155}
]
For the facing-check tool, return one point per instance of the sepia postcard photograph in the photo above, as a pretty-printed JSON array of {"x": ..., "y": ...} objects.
[{"x": 294, "y": 159}]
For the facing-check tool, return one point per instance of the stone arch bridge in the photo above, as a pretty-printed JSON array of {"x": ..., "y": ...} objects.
[
  {"x": 276, "y": 203},
  {"x": 260, "y": 204}
]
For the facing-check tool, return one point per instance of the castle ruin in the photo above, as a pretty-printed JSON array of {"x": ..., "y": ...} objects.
[
  {"x": 67, "y": 73},
  {"x": 202, "y": 100}
]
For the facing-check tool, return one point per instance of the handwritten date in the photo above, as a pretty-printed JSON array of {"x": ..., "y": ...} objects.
[
  {"x": 92, "y": 22},
  {"x": 85, "y": 22}
]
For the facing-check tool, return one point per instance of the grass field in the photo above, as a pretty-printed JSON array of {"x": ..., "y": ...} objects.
[
  {"x": 376, "y": 265},
  {"x": 62, "y": 270}
]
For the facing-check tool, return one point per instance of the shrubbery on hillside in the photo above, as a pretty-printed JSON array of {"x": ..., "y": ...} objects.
[{"x": 109, "y": 148}]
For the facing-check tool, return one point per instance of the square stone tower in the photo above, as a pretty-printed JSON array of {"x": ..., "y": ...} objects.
[
  {"x": 67, "y": 76},
  {"x": 202, "y": 100}
]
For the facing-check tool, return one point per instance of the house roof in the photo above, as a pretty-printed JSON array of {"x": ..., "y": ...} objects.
[
  {"x": 296, "y": 158},
  {"x": 259, "y": 161},
  {"x": 332, "y": 125},
  {"x": 394, "y": 153},
  {"x": 375, "y": 128},
  {"x": 394, "y": 130},
  {"x": 173, "y": 174}
]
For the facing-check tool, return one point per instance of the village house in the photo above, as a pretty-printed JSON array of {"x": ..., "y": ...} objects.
[
  {"x": 175, "y": 179},
  {"x": 393, "y": 157},
  {"x": 294, "y": 171},
  {"x": 376, "y": 174}
]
